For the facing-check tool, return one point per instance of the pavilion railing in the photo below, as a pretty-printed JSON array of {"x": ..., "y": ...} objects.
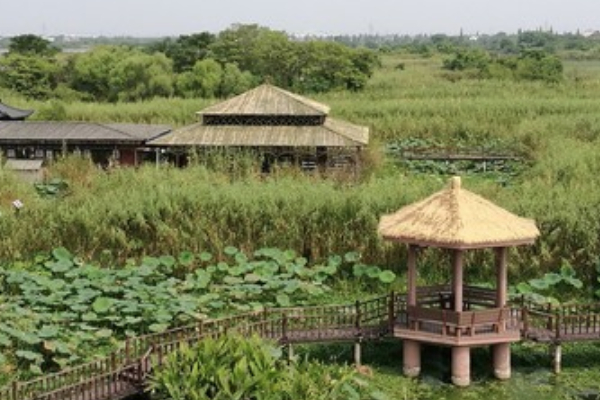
[
  {"x": 457, "y": 324},
  {"x": 441, "y": 296}
]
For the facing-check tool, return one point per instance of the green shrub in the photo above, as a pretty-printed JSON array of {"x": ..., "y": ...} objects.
[{"x": 234, "y": 367}]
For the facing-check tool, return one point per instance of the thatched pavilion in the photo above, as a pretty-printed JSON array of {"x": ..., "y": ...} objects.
[
  {"x": 456, "y": 315},
  {"x": 279, "y": 125}
]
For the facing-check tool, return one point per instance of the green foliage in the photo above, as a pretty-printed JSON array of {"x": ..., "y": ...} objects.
[
  {"x": 140, "y": 76},
  {"x": 186, "y": 50},
  {"x": 118, "y": 73},
  {"x": 92, "y": 71},
  {"x": 203, "y": 80},
  {"x": 536, "y": 65},
  {"x": 530, "y": 65},
  {"x": 313, "y": 66},
  {"x": 551, "y": 287},
  {"x": 59, "y": 309},
  {"x": 31, "y": 75},
  {"x": 31, "y": 45},
  {"x": 464, "y": 59},
  {"x": 233, "y": 367}
]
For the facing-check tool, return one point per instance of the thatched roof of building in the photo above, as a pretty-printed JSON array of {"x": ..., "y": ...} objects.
[
  {"x": 267, "y": 116},
  {"x": 457, "y": 218},
  {"x": 8, "y": 113},
  {"x": 78, "y": 132},
  {"x": 333, "y": 133},
  {"x": 267, "y": 100}
]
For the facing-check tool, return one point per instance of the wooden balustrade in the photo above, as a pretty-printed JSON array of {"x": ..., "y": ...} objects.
[{"x": 125, "y": 371}]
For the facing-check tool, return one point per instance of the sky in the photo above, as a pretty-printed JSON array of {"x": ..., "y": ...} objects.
[{"x": 151, "y": 18}]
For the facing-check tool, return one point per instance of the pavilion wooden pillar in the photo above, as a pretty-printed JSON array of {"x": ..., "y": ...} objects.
[
  {"x": 412, "y": 349},
  {"x": 461, "y": 355},
  {"x": 457, "y": 280},
  {"x": 501, "y": 351}
]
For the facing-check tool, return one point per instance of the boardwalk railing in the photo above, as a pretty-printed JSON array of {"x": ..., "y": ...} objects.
[
  {"x": 576, "y": 322},
  {"x": 125, "y": 371}
]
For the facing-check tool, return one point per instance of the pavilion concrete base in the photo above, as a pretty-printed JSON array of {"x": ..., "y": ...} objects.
[
  {"x": 501, "y": 356},
  {"x": 412, "y": 358},
  {"x": 461, "y": 366}
]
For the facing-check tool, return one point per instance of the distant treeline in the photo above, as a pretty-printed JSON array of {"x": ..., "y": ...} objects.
[
  {"x": 198, "y": 65},
  {"x": 568, "y": 44},
  {"x": 205, "y": 65}
]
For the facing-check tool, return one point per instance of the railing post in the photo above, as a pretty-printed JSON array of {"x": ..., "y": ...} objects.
[
  {"x": 263, "y": 323},
  {"x": 200, "y": 327},
  {"x": 391, "y": 311},
  {"x": 15, "y": 390},
  {"x": 525, "y": 317},
  {"x": 127, "y": 350},
  {"x": 557, "y": 327},
  {"x": 113, "y": 374},
  {"x": 284, "y": 327}
]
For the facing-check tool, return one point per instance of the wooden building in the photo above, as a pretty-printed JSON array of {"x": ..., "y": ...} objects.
[
  {"x": 279, "y": 125},
  {"x": 453, "y": 314},
  {"x": 124, "y": 144}
]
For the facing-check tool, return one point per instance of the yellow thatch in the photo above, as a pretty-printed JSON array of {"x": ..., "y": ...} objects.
[
  {"x": 459, "y": 219},
  {"x": 267, "y": 100}
]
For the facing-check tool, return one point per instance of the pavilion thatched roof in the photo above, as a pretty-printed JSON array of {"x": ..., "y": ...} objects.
[
  {"x": 457, "y": 218},
  {"x": 267, "y": 100}
]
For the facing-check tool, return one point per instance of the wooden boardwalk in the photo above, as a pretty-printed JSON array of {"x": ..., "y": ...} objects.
[{"x": 125, "y": 371}]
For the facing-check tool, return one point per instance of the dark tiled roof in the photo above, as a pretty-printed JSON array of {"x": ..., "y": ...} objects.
[
  {"x": 13, "y": 114},
  {"x": 79, "y": 132}
]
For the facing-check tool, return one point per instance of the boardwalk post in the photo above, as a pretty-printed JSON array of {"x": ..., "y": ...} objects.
[
  {"x": 357, "y": 319},
  {"x": 557, "y": 357},
  {"x": 358, "y": 352}
]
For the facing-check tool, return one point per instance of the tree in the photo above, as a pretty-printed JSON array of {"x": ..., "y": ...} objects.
[
  {"x": 186, "y": 50},
  {"x": 235, "y": 81},
  {"x": 32, "y": 76},
  {"x": 141, "y": 76},
  {"x": 464, "y": 59},
  {"x": 538, "y": 65},
  {"x": 92, "y": 70},
  {"x": 202, "y": 81},
  {"x": 31, "y": 45},
  {"x": 111, "y": 73}
]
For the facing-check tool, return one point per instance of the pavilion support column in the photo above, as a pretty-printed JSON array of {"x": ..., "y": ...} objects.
[
  {"x": 501, "y": 355},
  {"x": 457, "y": 283},
  {"x": 501, "y": 351},
  {"x": 461, "y": 366},
  {"x": 412, "y": 358},
  {"x": 501, "y": 276},
  {"x": 412, "y": 275},
  {"x": 411, "y": 348}
]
